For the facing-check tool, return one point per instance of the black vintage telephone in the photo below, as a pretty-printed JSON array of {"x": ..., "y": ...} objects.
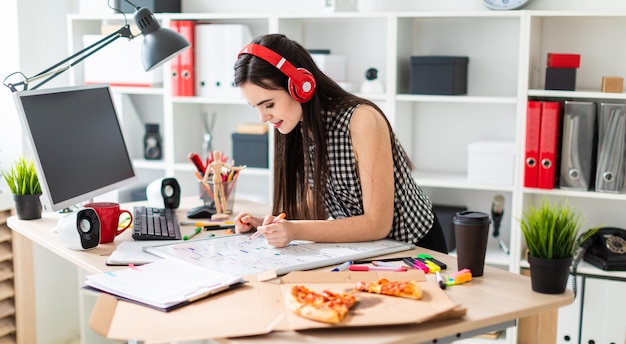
[{"x": 606, "y": 249}]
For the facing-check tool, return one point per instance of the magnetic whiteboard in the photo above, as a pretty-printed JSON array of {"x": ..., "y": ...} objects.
[{"x": 237, "y": 254}]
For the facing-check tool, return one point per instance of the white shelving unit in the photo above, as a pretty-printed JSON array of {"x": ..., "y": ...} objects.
[{"x": 507, "y": 56}]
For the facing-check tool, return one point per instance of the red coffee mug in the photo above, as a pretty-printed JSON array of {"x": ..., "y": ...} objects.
[{"x": 109, "y": 214}]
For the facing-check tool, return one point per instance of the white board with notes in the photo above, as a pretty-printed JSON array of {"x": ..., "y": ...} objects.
[{"x": 238, "y": 254}]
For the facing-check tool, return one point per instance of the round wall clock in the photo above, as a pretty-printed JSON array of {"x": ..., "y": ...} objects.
[{"x": 505, "y": 4}]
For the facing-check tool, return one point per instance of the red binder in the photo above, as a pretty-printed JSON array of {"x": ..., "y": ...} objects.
[
  {"x": 549, "y": 144},
  {"x": 175, "y": 64},
  {"x": 187, "y": 60},
  {"x": 531, "y": 158}
]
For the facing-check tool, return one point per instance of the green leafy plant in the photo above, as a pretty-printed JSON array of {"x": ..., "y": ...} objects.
[
  {"x": 22, "y": 177},
  {"x": 551, "y": 230}
]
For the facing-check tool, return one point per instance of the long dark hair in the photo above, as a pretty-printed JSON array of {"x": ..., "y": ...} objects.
[{"x": 292, "y": 192}]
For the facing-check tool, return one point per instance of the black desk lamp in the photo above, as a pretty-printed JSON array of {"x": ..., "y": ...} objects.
[{"x": 159, "y": 45}]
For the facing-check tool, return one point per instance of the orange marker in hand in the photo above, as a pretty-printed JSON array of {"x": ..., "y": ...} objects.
[{"x": 276, "y": 219}]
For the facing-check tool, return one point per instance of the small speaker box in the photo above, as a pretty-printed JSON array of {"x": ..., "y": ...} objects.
[
  {"x": 164, "y": 193},
  {"x": 80, "y": 230},
  {"x": 152, "y": 143}
]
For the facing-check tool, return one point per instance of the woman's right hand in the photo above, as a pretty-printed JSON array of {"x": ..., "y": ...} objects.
[{"x": 245, "y": 222}]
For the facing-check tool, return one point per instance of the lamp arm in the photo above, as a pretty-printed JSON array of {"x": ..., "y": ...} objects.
[{"x": 54, "y": 70}]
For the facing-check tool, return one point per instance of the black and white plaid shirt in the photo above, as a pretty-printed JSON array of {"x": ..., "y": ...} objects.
[{"x": 413, "y": 216}]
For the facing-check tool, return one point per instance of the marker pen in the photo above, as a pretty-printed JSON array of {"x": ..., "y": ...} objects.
[
  {"x": 440, "y": 281},
  {"x": 375, "y": 268},
  {"x": 342, "y": 267},
  {"x": 391, "y": 265}
]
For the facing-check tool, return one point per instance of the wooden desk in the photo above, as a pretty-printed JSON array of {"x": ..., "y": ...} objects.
[{"x": 494, "y": 300}]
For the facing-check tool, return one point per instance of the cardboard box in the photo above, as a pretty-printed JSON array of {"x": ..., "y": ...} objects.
[
  {"x": 612, "y": 84},
  {"x": 491, "y": 162},
  {"x": 261, "y": 307},
  {"x": 441, "y": 75}
]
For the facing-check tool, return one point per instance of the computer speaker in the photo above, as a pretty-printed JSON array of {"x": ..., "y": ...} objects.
[
  {"x": 80, "y": 230},
  {"x": 152, "y": 142},
  {"x": 164, "y": 193}
]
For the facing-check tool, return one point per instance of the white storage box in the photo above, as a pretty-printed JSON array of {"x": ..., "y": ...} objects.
[
  {"x": 119, "y": 64},
  {"x": 491, "y": 162},
  {"x": 332, "y": 65}
]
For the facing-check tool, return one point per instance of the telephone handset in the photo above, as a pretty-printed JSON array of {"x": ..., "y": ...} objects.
[{"x": 606, "y": 249}]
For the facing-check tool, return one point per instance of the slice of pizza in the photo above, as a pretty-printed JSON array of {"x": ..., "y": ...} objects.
[
  {"x": 325, "y": 307},
  {"x": 408, "y": 289}
]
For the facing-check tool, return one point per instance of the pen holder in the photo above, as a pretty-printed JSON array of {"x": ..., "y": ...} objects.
[{"x": 207, "y": 193}]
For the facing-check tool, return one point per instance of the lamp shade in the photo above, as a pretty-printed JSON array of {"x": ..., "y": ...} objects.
[{"x": 159, "y": 44}]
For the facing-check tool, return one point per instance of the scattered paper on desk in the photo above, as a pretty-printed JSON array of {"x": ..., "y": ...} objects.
[
  {"x": 163, "y": 284},
  {"x": 131, "y": 252}
]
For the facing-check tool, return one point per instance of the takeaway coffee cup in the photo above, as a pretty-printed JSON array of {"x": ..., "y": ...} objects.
[
  {"x": 109, "y": 214},
  {"x": 471, "y": 230}
]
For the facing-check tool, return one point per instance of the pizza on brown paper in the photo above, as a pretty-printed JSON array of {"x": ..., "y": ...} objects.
[{"x": 327, "y": 306}]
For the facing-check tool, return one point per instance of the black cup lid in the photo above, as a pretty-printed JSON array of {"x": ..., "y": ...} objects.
[{"x": 469, "y": 217}]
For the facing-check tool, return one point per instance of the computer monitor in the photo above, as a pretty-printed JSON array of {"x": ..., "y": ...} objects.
[{"x": 80, "y": 152}]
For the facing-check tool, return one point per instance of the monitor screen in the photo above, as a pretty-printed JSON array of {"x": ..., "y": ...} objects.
[{"x": 79, "y": 148}]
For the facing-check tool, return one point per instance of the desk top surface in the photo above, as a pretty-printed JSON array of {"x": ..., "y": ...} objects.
[
  {"x": 42, "y": 232},
  {"x": 497, "y": 297}
]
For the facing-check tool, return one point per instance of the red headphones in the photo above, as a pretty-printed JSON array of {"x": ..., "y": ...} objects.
[{"x": 301, "y": 83}]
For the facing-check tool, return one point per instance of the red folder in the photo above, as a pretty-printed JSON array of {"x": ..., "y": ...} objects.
[
  {"x": 187, "y": 60},
  {"x": 549, "y": 144},
  {"x": 175, "y": 64},
  {"x": 533, "y": 130}
]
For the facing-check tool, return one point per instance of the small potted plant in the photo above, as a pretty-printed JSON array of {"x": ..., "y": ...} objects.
[
  {"x": 552, "y": 237},
  {"x": 24, "y": 185}
]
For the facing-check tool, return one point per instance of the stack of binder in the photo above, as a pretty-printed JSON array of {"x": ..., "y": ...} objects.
[
  {"x": 576, "y": 145},
  {"x": 543, "y": 123},
  {"x": 611, "y": 143},
  {"x": 578, "y": 154},
  {"x": 184, "y": 65},
  {"x": 217, "y": 47}
]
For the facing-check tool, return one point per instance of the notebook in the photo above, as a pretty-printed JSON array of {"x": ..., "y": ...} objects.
[{"x": 165, "y": 284}]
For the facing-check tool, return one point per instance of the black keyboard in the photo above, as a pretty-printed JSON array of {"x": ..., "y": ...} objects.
[{"x": 155, "y": 224}]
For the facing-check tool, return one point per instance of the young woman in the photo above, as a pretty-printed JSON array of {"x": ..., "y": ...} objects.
[{"x": 340, "y": 174}]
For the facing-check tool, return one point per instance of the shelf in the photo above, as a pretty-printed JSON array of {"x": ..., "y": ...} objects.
[
  {"x": 202, "y": 100},
  {"x": 6, "y": 270},
  {"x": 577, "y": 194},
  {"x": 6, "y": 253},
  {"x": 454, "y": 181},
  {"x": 462, "y": 99},
  {"x": 576, "y": 94},
  {"x": 7, "y": 308},
  {"x": 150, "y": 164},
  {"x": 6, "y": 290},
  {"x": 157, "y": 91},
  {"x": 5, "y": 233}
]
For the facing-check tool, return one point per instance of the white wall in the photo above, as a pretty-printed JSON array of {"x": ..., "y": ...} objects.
[
  {"x": 34, "y": 38},
  {"x": 10, "y": 139}
]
